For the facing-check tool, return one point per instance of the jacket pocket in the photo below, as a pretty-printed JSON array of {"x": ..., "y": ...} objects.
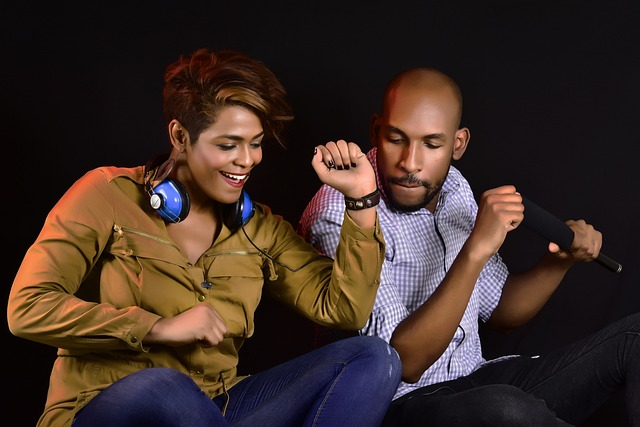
[{"x": 236, "y": 281}]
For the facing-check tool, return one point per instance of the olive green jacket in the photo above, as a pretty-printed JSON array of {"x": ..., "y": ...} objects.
[{"x": 103, "y": 270}]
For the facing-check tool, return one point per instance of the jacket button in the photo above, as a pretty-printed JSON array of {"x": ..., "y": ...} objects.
[{"x": 201, "y": 298}]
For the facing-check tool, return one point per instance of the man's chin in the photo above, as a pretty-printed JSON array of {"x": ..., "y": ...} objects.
[{"x": 407, "y": 205}]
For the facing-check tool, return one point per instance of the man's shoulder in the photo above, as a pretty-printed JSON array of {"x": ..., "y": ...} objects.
[
  {"x": 328, "y": 192},
  {"x": 327, "y": 203},
  {"x": 326, "y": 197},
  {"x": 456, "y": 183},
  {"x": 456, "y": 176}
]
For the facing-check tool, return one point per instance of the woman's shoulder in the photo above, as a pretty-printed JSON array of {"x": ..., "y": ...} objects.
[
  {"x": 135, "y": 173},
  {"x": 264, "y": 218}
]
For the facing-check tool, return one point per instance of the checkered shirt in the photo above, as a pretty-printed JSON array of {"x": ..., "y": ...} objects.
[{"x": 420, "y": 248}]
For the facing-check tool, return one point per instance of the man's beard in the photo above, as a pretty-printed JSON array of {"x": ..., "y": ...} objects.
[{"x": 432, "y": 191}]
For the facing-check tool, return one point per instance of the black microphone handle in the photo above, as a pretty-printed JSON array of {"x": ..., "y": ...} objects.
[{"x": 553, "y": 229}]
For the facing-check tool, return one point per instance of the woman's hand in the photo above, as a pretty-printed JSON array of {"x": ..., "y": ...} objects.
[
  {"x": 343, "y": 166},
  {"x": 200, "y": 324}
]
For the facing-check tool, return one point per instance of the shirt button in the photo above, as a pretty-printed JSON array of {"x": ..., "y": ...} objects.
[
  {"x": 134, "y": 339},
  {"x": 201, "y": 298}
]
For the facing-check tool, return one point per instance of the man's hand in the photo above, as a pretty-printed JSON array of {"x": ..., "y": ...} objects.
[{"x": 500, "y": 211}]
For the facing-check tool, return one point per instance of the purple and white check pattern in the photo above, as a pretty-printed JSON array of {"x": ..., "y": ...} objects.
[{"x": 420, "y": 248}]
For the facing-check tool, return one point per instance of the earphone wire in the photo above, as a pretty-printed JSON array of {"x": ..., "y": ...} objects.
[{"x": 274, "y": 260}]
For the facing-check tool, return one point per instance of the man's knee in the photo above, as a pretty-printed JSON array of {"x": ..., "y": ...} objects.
[
  {"x": 510, "y": 406},
  {"x": 491, "y": 405}
]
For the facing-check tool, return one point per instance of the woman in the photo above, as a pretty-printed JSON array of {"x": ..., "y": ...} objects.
[{"x": 147, "y": 278}]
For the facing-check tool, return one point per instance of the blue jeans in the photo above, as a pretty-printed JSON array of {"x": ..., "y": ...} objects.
[
  {"x": 347, "y": 383},
  {"x": 564, "y": 386}
]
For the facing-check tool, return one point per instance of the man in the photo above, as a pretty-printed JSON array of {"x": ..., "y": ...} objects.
[{"x": 442, "y": 272}]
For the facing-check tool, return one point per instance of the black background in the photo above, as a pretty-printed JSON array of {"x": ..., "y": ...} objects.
[{"x": 551, "y": 97}]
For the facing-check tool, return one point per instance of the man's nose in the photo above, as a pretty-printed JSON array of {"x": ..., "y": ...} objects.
[{"x": 411, "y": 159}]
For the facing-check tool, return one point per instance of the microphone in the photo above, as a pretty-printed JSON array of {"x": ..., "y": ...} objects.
[{"x": 553, "y": 229}]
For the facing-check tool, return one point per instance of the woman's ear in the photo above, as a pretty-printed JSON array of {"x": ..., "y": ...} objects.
[
  {"x": 178, "y": 135},
  {"x": 463, "y": 135}
]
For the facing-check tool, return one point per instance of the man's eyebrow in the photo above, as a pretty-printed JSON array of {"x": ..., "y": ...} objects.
[
  {"x": 391, "y": 128},
  {"x": 439, "y": 135},
  {"x": 431, "y": 136}
]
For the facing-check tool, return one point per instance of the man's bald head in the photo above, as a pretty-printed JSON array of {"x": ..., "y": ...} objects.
[
  {"x": 418, "y": 83},
  {"x": 417, "y": 136}
]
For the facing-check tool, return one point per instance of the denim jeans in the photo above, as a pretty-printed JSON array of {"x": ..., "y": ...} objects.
[
  {"x": 347, "y": 383},
  {"x": 563, "y": 386}
]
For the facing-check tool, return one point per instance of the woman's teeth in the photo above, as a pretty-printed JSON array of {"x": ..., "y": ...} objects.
[{"x": 235, "y": 177}]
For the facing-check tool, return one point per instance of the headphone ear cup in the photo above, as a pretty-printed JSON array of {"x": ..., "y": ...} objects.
[
  {"x": 171, "y": 200},
  {"x": 239, "y": 213}
]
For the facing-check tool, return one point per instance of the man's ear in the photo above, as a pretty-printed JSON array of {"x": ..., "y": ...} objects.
[
  {"x": 178, "y": 135},
  {"x": 463, "y": 135},
  {"x": 374, "y": 129}
]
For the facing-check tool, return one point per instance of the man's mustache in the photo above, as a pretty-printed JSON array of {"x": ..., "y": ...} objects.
[{"x": 409, "y": 179}]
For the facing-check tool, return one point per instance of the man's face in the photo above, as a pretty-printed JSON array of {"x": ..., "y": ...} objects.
[{"x": 415, "y": 137}]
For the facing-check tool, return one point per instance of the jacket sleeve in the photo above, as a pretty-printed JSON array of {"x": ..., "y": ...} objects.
[
  {"x": 42, "y": 304},
  {"x": 337, "y": 291}
]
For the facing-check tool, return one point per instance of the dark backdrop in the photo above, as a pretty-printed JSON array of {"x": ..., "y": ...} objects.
[{"x": 550, "y": 90}]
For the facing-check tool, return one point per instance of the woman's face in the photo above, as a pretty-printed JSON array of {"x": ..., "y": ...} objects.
[{"x": 220, "y": 161}]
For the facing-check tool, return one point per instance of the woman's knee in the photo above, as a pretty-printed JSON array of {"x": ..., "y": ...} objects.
[
  {"x": 381, "y": 357},
  {"x": 156, "y": 380}
]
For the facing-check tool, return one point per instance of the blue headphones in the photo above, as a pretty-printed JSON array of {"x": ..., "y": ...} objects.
[{"x": 170, "y": 199}]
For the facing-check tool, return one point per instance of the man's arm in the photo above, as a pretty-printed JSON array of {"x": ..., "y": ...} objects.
[
  {"x": 423, "y": 336},
  {"x": 524, "y": 294}
]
